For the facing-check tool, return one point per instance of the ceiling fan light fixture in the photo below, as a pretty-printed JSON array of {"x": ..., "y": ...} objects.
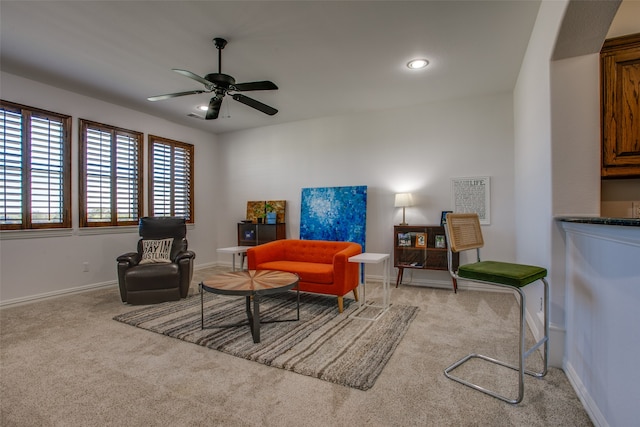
[{"x": 417, "y": 64}]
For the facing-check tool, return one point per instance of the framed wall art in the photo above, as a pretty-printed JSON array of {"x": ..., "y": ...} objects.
[{"x": 472, "y": 195}]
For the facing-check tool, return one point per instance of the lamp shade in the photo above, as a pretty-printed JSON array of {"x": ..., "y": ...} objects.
[{"x": 403, "y": 199}]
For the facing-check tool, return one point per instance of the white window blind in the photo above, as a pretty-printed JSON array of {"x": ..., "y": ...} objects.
[
  {"x": 11, "y": 167},
  {"x": 47, "y": 170},
  {"x": 127, "y": 178},
  {"x": 98, "y": 174},
  {"x": 110, "y": 175},
  {"x": 171, "y": 178},
  {"x": 34, "y": 162}
]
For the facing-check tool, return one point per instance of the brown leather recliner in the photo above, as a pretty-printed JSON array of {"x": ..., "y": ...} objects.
[{"x": 156, "y": 282}]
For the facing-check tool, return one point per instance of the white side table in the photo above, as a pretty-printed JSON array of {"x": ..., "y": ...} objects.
[
  {"x": 372, "y": 258},
  {"x": 235, "y": 250}
]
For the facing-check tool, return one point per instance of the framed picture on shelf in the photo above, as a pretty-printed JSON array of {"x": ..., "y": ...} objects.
[
  {"x": 440, "y": 241},
  {"x": 404, "y": 239},
  {"x": 421, "y": 240},
  {"x": 443, "y": 217},
  {"x": 249, "y": 234}
]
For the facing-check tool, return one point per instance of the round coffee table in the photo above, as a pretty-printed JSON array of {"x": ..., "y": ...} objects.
[{"x": 252, "y": 284}]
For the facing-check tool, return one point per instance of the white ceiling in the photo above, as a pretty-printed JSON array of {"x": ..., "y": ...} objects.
[{"x": 327, "y": 57}]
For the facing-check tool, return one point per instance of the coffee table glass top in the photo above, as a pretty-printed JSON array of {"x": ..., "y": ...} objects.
[{"x": 251, "y": 282}]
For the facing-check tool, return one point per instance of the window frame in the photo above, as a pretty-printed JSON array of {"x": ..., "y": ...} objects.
[
  {"x": 83, "y": 126},
  {"x": 27, "y": 113},
  {"x": 152, "y": 140}
]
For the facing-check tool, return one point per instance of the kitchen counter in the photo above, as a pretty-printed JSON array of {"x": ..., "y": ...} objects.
[
  {"x": 628, "y": 222},
  {"x": 601, "y": 300}
]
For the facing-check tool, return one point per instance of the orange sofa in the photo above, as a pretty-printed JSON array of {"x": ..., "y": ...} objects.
[{"x": 322, "y": 265}]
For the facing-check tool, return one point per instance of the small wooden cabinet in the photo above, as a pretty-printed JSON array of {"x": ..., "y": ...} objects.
[
  {"x": 620, "y": 94},
  {"x": 250, "y": 234},
  {"x": 421, "y": 247}
]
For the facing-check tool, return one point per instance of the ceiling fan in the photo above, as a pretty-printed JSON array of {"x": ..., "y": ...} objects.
[{"x": 221, "y": 84}]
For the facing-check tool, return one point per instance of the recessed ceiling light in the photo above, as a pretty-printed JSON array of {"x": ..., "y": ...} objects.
[
  {"x": 203, "y": 107},
  {"x": 417, "y": 64}
]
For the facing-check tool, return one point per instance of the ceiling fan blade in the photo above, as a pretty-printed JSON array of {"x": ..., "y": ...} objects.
[
  {"x": 195, "y": 77},
  {"x": 255, "y": 104},
  {"x": 174, "y": 95},
  {"x": 263, "y": 85},
  {"x": 214, "y": 108}
]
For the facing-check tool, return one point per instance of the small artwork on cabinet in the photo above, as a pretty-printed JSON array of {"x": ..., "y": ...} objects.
[
  {"x": 421, "y": 240},
  {"x": 249, "y": 234},
  {"x": 440, "y": 242},
  {"x": 255, "y": 210},
  {"x": 278, "y": 206},
  {"x": 404, "y": 239}
]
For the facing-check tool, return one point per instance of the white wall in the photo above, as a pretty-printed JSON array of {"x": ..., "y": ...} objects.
[
  {"x": 533, "y": 151},
  {"x": 575, "y": 108},
  {"x": 41, "y": 266},
  {"x": 416, "y": 149}
]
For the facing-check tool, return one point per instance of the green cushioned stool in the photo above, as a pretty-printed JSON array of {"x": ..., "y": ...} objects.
[
  {"x": 506, "y": 273},
  {"x": 463, "y": 233}
]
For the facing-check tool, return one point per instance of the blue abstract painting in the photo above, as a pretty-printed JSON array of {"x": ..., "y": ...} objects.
[{"x": 334, "y": 213}]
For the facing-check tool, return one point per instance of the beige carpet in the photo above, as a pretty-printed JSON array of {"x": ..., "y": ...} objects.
[{"x": 65, "y": 362}]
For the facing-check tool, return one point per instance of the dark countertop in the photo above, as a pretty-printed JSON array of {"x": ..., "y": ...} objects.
[{"x": 631, "y": 222}]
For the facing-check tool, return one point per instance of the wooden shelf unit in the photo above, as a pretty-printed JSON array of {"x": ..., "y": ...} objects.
[{"x": 418, "y": 250}]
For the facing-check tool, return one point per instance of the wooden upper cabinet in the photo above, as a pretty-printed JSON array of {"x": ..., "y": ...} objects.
[{"x": 620, "y": 94}]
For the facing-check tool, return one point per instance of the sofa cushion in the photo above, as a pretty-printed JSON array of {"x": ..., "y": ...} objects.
[
  {"x": 307, "y": 271},
  {"x": 312, "y": 250}
]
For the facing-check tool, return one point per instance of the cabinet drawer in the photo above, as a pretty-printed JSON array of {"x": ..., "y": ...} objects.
[{"x": 437, "y": 259}]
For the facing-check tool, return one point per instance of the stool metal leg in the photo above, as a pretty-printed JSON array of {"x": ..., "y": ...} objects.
[{"x": 522, "y": 355}]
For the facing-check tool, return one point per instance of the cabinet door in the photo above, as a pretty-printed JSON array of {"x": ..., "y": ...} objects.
[
  {"x": 247, "y": 234},
  {"x": 266, "y": 233},
  {"x": 620, "y": 75},
  {"x": 422, "y": 247},
  {"x": 410, "y": 246}
]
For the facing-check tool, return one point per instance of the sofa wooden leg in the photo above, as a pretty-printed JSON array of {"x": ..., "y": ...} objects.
[
  {"x": 355, "y": 293},
  {"x": 340, "y": 304}
]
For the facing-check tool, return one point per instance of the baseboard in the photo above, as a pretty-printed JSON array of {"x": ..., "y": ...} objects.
[
  {"x": 587, "y": 402},
  {"x": 444, "y": 284},
  {"x": 56, "y": 294},
  {"x": 84, "y": 288}
]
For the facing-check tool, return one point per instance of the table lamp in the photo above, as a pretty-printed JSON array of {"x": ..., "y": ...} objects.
[{"x": 402, "y": 201}]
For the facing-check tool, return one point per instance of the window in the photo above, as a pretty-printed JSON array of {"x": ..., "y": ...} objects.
[
  {"x": 170, "y": 178},
  {"x": 110, "y": 179},
  {"x": 35, "y": 168}
]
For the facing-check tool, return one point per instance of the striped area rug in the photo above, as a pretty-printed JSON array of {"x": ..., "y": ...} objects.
[{"x": 324, "y": 344}]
